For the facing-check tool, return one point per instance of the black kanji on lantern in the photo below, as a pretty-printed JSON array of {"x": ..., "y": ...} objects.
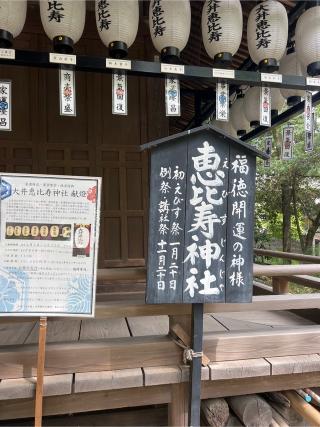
[
  {"x": 213, "y": 20},
  {"x": 202, "y": 186},
  {"x": 55, "y": 8},
  {"x": 263, "y": 35},
  {"x": 103, "y": 15},
  {"x": 158, "y": 22}
]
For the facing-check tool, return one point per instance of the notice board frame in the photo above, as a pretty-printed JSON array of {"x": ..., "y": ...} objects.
[{"x": 94, "y": 238}]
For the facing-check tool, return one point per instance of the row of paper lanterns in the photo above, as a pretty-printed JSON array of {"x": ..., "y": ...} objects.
[
  {"x": 245, "y": 112},
  {"x": 170, "y": 21}
]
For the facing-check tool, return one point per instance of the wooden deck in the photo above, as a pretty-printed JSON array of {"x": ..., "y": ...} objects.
[
  {"x": 131, "y": 361},
  {"x": 125, "y": 357}
]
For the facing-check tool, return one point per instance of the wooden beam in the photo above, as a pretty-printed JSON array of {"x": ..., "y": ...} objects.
[
  {"x": 143, "y": 416},
  {"x": 85, "y": 402},
  {"x": 108, "y": 380},
  {"x": 137, "y": 307},
  {"x": 305, "y": 280},
  {"x": 236, "y": 387},
  {"x": 158, "y": 375},
  {"x": 239, "y": 369},
  {"x": 114, "y": 274},
  {"x": 287, "y": 255},
  {"x": 294, "y": 364},
  {"x": 94, "y": 401},
  {"x": 285, "y": 270},
  {"x": 105, "y": 275},
  {"x": 20, "y": 388},
  {"x": 259, "y": 302},
  {"x": 264, "y": 343},
  {"x": 90, "y": 356}
]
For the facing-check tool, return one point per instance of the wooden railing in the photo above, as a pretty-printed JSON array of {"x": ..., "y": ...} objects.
[
  {"x": 300, "y": 274},
  {"x": 287, "y": 255}
]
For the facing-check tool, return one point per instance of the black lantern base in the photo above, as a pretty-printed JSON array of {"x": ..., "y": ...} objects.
[
  {"x": 312, "y": 3},
  {"x": 118, "y": 50},
  {"x": 223, "y": 59},
  {"x": 6, "y": 39},
  {"x": 274, "y": 113},
  {"x": 241, "y": 132},
  {"x": 314, "y": 69},
  {"x": 293, "y": 100},
  {"x": 171, "y": 55},
  {"x": 63, "y": 44},
  {"x": 254, "y": 124},
  {"x": 268, "y": 65}
]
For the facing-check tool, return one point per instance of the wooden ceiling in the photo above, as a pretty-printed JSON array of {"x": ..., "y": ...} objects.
[{"x": 195, "y": 54}]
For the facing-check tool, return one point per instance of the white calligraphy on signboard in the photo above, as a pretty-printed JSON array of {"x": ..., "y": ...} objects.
[
  {"x": 265, "y": 106},
  {"x": 172, "y": 89},
  {"x": 308, "y": 111},
  {"x": 5, "y": 105},
  {"x": 238, "y": 199},
  {"x": 169, "y": 227},
  {"x": 287, "y": 142},
  {"x": 67, "y": 92},
  {"x": 208, "y": 183},
  {"x": 119, "y": 93},
  {"x": 222, "y": 102}
]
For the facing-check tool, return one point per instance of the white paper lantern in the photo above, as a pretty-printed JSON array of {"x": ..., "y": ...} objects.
[
  {"x": 222, "y": 37},
  {"x": 277, "y": 101},
  {"x": 308, "y": 40},
  {"x": 238, "y": 119},
  {"x": 225, "y": 127},
  {"x": 63, "y": 22},
  {"x": 267, "y": 33},
  {"x": 12, "y": 19},
  {"x": 169, "y": 22},
  {"x": 252, "y": 106},
  {"x": 290, "y": 65},
  {"x": 117, "y": 23}
]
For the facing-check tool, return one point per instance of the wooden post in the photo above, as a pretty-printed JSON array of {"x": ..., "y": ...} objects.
[
  {"x": 196, "y": 363},
  {"x": 40, "y": 371},
  {"x": 178, "y": 407},
  {"x": 280, "y": 285}
]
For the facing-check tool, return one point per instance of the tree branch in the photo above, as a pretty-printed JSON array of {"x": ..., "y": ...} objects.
[{"x": 296, "y": 216}]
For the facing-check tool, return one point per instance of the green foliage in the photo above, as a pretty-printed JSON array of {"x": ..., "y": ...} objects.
[{"x": 301, "y": 176}]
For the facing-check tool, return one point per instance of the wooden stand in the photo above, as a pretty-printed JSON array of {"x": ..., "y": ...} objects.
[
  {"x": 40, "y": 371},
  {"x": 195, "y": 383}
]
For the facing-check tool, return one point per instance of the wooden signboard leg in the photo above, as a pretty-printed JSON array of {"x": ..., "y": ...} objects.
[
  {"x": 40, "y": 371},
  {"x": 195, "y": 384}
]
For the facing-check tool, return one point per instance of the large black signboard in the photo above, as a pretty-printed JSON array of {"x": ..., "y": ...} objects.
[{"x": 202, "y": 186}]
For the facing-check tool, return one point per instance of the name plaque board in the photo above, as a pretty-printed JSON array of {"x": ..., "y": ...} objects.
[
  {"x": 201, "y": 218},
  {"x": 49, "y": 230}
]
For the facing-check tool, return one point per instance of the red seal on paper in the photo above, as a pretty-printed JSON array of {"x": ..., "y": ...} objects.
[{"x": 92, "y": 194}]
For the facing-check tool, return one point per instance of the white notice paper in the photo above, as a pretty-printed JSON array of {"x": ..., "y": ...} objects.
[{"x": 49, "y": 230}]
